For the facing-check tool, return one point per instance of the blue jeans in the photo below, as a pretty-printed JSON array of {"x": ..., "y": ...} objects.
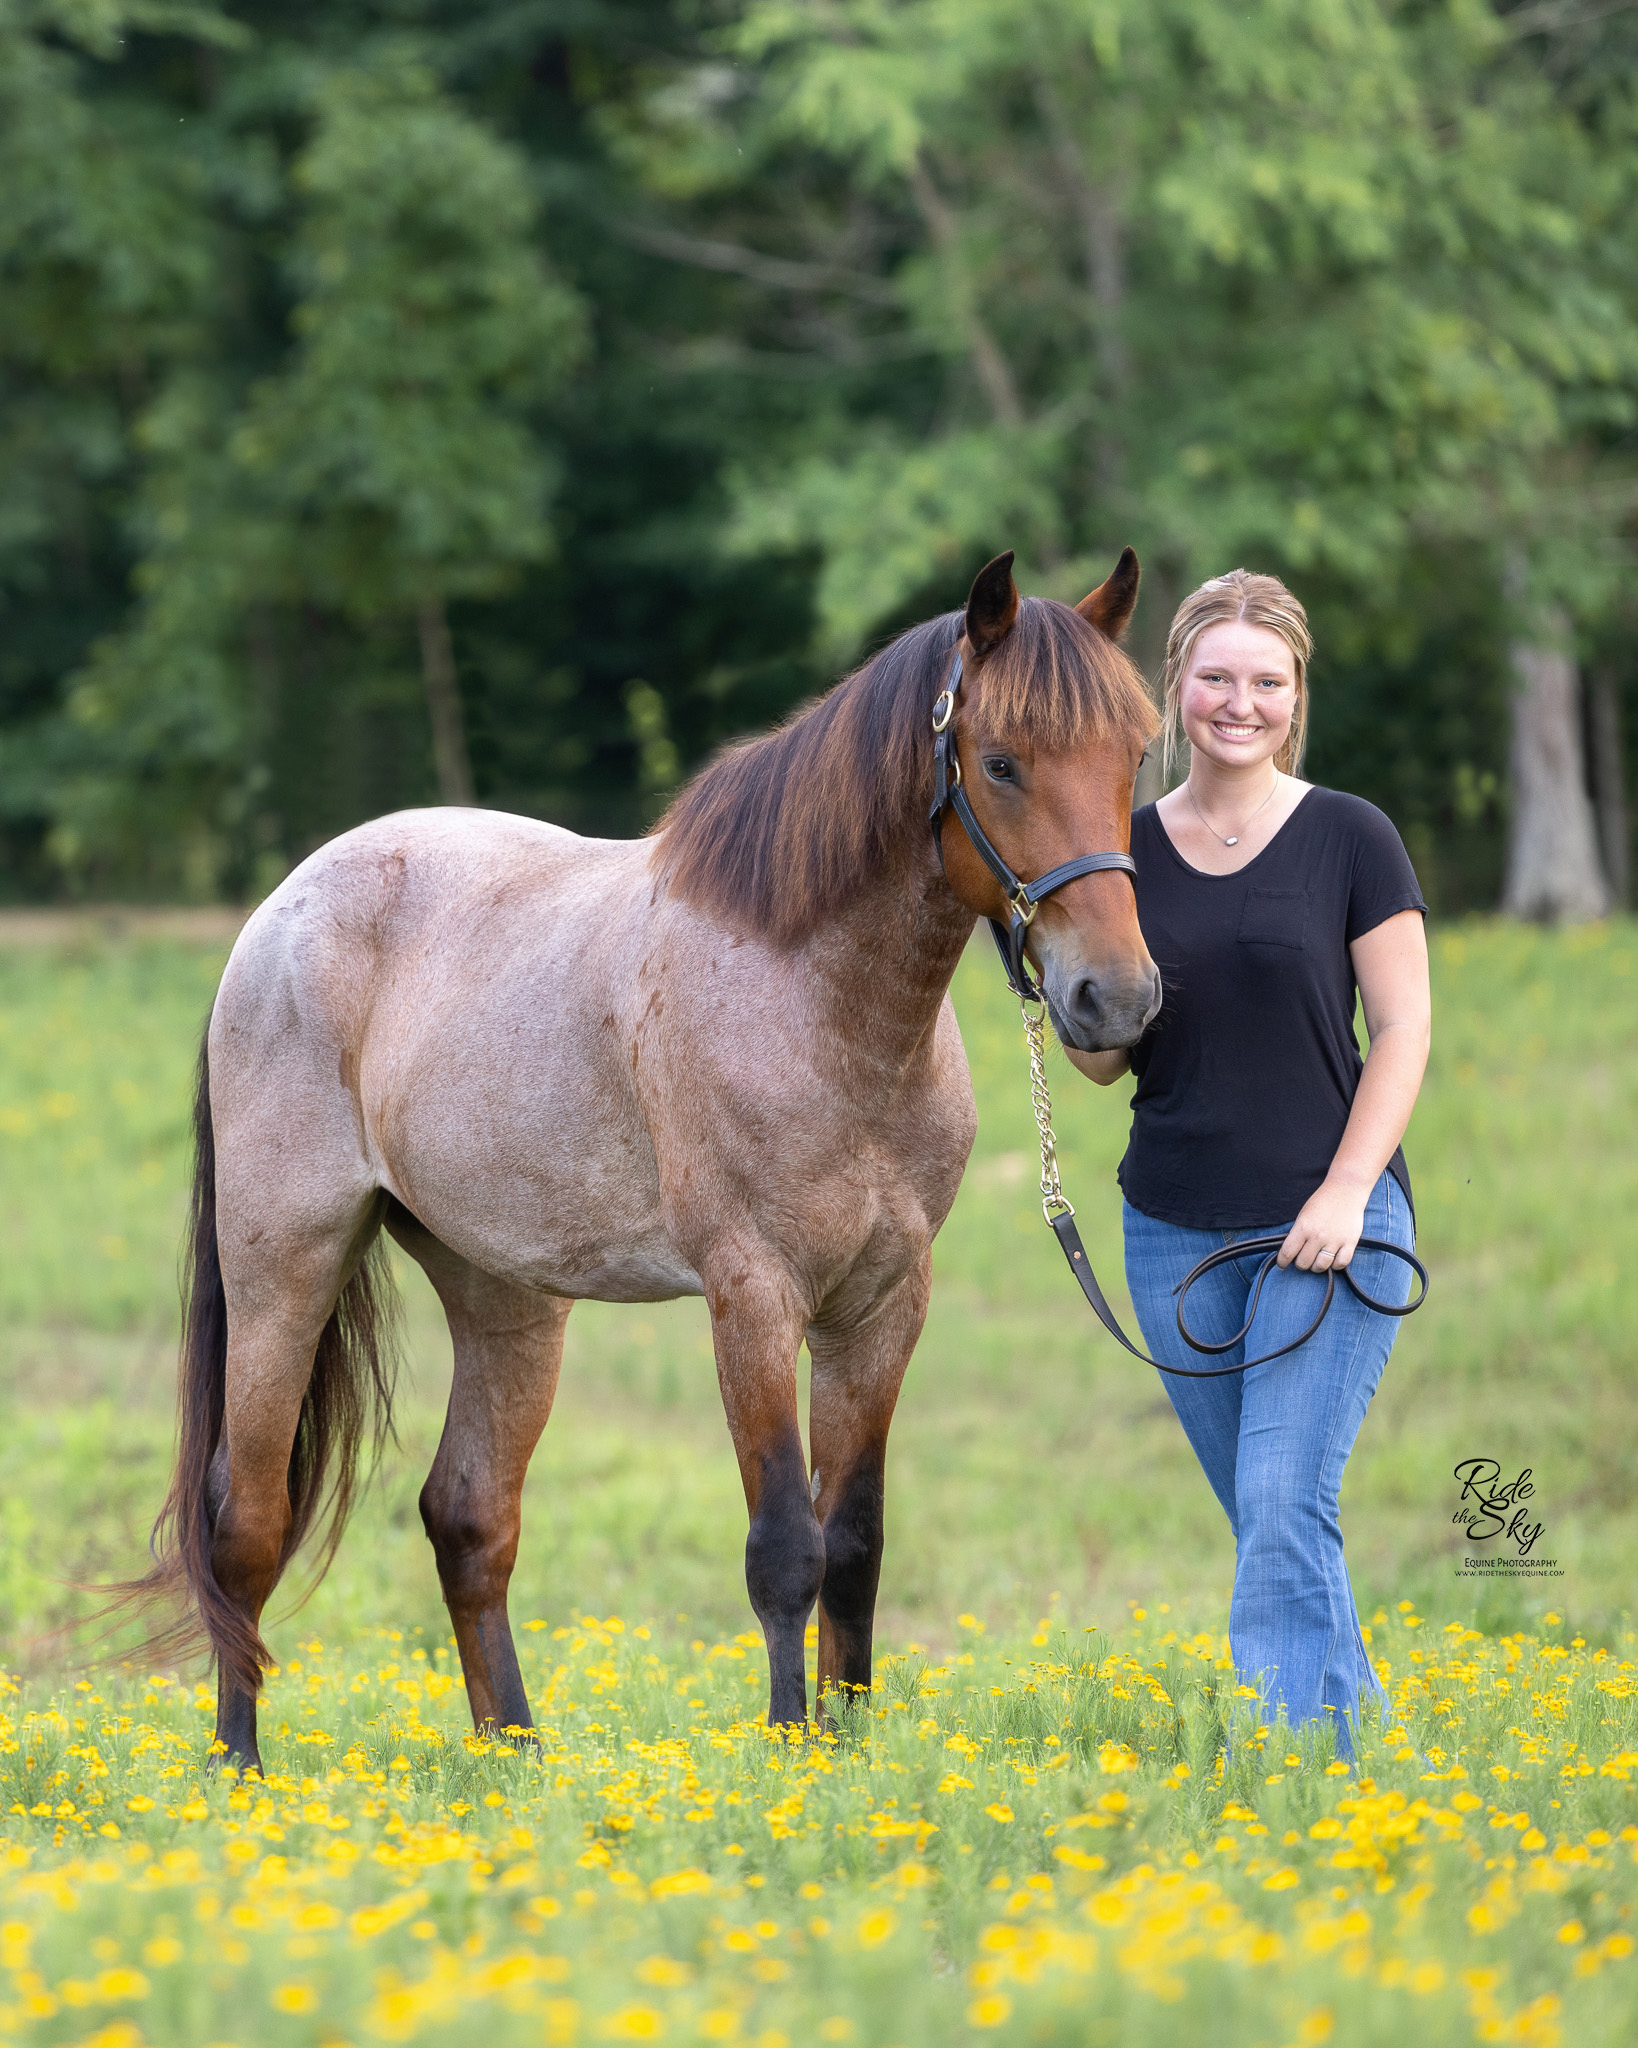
[{"x": 1274, "y": 1441}]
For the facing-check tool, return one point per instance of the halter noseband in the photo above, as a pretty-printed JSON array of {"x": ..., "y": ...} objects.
[{"x": 1023, "y": 898}]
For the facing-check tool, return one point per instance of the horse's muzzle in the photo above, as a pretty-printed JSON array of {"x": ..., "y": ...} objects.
[{"x": 1102, "y": 1012}]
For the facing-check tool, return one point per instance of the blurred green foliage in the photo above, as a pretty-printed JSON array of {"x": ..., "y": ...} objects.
[{"x": 660, "y": 356}]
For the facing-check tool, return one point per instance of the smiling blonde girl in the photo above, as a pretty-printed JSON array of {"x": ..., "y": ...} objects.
[{"x": 1268, "y": 904}]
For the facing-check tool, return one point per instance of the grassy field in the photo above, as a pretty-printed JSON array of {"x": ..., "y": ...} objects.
[{"x": 1038, "y": 1487}]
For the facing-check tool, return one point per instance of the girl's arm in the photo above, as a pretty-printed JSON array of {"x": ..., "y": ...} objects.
[{"x": 1391, "y": 967}]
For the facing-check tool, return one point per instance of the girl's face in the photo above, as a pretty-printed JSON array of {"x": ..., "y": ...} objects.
[{"x": 1239, "y": 695}]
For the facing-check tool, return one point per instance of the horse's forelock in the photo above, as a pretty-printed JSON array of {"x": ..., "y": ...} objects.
[{"x": 1056, "y": 682}]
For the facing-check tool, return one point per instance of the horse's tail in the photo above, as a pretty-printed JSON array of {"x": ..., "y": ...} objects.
[{"x": 349, "y": 1394}]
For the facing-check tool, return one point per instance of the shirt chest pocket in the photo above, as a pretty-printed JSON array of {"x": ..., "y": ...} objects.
[{"x": 1274, "y": 917}]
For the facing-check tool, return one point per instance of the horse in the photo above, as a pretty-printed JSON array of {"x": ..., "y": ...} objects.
[{"x": 720, "y": 1060}]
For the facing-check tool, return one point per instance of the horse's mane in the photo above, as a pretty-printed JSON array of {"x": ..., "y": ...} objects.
[{"x": 779, "y": 833}]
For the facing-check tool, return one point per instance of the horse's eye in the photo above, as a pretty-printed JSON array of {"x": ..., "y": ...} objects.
[{"x": 998, "y": 768}]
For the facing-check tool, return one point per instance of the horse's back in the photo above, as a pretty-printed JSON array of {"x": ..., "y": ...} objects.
[{"x": 401, "y": 878}]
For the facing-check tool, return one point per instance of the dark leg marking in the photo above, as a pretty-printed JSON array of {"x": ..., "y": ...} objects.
[
  {"x": 236, "y": 1726},
  {"x": 853, "y": 1569},
  {"x": 474, "y": 1567},
  {"x": 784, "y": 1565}
]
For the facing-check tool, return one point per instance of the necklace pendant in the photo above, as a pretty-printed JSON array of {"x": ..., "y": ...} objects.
[{"x": 1232, "y": 842}]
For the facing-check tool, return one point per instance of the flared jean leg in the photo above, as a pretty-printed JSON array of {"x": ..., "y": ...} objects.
[
  {"x": 1274, "y": 1443},
  {"x": 1157, "y": 1257}
]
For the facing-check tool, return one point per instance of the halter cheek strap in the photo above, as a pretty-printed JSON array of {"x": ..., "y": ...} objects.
[{"x": 1023, "y": 898}]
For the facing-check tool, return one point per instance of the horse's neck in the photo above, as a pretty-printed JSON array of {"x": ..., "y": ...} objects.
[{"x": 889, "y": 959}]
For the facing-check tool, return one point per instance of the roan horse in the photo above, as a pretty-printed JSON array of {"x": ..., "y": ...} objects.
[{"x": 721, "y": 1060}]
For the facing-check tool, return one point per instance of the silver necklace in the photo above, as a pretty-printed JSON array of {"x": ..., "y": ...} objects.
[{"x": 1212, "y": 829}]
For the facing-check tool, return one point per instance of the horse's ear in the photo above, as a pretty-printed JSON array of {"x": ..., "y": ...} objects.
[
  {"x": 1109, "y": 607},
  {"x": 992, "y": 605}
]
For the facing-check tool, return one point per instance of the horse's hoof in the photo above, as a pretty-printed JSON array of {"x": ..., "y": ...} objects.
[{"x": 243, "y": 1766}]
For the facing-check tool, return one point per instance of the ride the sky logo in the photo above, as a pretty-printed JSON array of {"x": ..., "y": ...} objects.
[{"x": 1488, "y": 1507}]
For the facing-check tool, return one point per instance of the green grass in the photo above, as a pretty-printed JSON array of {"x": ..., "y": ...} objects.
[
  {"x": 1035, "y": 1832},
  {"x": 1029, "y": 1457}
]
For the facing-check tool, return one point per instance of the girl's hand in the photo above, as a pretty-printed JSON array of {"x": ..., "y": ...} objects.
[{"x": 1323, "y": 1238}]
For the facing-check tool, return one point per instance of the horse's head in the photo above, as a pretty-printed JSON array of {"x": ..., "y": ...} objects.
[{"x": 1049, "y": 729}]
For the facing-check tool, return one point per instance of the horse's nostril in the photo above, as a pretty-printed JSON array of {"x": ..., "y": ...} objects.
[{"x": 1084, "y": 1007}]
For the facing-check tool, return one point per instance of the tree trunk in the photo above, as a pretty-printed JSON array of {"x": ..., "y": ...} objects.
[
  {"x": 1103, "y": 264},
  {"x": 1609, "y": 781},
  {"x": 443, "y": 703},
  {"x": 990, "y": 364},
  {"x": 1553, "y": 872},
  {"x": 1106, "y": 272}
]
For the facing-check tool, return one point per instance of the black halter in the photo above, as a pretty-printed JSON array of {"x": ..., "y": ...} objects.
[{"x": 1023, "y": 898}]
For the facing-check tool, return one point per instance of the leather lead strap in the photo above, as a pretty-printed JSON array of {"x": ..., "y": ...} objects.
[{"x": 1265, "y": 1248}]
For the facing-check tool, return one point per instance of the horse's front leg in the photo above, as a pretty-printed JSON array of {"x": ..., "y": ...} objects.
[
  {"x": 858, "y": 1367},
  {"x": 757, "y": 1325}
]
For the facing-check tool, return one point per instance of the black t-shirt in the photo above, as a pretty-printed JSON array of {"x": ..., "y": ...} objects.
[{"x": 1246, "y": 1077}]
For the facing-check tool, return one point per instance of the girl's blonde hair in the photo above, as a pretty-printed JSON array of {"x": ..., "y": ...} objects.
[{"x": 1260, "y": 601}]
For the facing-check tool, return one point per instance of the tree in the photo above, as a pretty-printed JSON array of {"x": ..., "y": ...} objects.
[
  {"x": 390, "y": 462},
  {"x": 1194, "y": 269},
  {"x": 1327, "y": 287},
  {"x": 109, "y": 267},
  {"x": 300, "y": 442},
  {"x": 397, "y": 445},
  {"x": 1569, "y": 843},
  {"x": 1553, "y": 870},
  {"x": 242, "y": 709}
]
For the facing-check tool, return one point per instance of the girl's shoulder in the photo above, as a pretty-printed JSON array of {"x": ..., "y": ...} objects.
[
  {"x": 1353, "y": 817},
  {"x": 1359, "y": 848}
]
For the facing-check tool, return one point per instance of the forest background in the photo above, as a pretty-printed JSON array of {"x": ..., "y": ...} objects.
[{"x": 405, "y": 401}]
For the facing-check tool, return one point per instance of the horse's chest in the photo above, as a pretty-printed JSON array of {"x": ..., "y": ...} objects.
[{"x": 846, "y": 1193}]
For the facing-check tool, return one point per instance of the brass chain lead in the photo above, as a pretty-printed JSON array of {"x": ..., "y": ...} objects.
[{"x": 1054, "y": 1202}]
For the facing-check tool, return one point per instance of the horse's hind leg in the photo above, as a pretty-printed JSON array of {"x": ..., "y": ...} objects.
[
  {"x": 858, "y": 1368},
  {"x": 508, "y": 1348},
  {"x": 282, "y": 1281}
]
